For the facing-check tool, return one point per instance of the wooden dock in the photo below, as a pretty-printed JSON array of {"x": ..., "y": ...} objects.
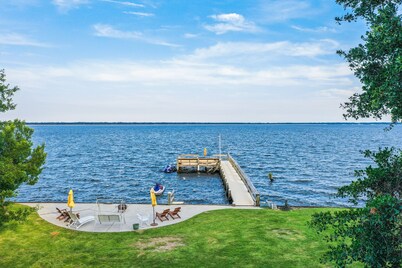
[
  {"x": 239, "y": 189},
  {"x": 194, "y": 163}
]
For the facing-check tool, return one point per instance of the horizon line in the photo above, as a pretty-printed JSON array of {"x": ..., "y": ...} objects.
[{"x": 189, "y": 123}]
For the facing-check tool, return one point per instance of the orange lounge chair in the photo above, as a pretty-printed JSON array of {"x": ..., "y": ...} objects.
[
  {"x": 175, "y": 213},
  {"x": 163, "y": 216}
]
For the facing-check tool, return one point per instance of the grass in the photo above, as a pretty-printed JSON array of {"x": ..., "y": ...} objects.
[{"x": 223, "y": 238}]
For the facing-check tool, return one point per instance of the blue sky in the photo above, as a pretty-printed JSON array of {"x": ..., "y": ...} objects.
[{"x": 164, "y": 61}]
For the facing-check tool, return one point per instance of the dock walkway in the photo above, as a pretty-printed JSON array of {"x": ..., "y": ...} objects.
[{"x": 238, "y": 191}]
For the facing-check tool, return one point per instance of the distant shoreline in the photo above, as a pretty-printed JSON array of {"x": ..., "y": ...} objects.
[{"x": 208, "y": 123}]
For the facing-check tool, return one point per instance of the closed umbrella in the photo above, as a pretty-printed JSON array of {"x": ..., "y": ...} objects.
[
  {"x": 70, "y": 200},
  {"x": 153, "y": 202}
]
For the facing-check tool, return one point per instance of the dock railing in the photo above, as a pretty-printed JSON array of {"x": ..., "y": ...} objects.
[
  {"x": 221, "y": 156},
  {"x": 250, "y": 187},
  {"x": 189, "y": 156}
]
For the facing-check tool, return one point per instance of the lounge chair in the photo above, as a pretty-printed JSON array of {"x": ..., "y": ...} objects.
[
  {"x": 143, "y": 219},
  {"x": 175, "y": 213},
  {"x": 63, "y": 214},
  {"x": 162, "y": 216},
  {"x": 78, "y": 222}
]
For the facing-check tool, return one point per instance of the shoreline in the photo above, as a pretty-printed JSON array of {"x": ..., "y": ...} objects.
[{"x": 195, "y": 205}]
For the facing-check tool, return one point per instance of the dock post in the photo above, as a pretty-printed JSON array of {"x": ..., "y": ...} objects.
[
  {"x": 169, "y": 198},
  {"x": 177, "y": 165},
  {"x": 257, "y": 200}
]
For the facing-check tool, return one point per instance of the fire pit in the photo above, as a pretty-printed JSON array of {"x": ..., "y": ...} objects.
[{"x": 121, "y": 208}]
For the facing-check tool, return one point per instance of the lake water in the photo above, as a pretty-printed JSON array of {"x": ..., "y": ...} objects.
[{"x": 308, "y": 161}]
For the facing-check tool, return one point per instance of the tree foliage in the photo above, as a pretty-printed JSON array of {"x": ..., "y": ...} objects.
[
  {"x": 20, "y": 161},
  {"x": 377, "y": 62},
  {"x": 372, "y": 234},
  {"x": 6, "y": 94},
  {"x": 384, "y": 178}
]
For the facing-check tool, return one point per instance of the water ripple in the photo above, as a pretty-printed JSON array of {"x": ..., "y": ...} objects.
[{"x": 308, "y": 161}]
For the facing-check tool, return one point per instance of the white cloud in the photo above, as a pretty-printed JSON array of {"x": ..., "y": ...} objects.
[
  {"x": 20, "y": 40},
  {"x": 338, "y": 93},
  {"x": 65, "y": 5},
  {"x": 190, "y": 35},
  {"x": 204, "y": 67},
  {"x": 230, "y": 17},
  {"x": 231, "y": 22},
  {"x": 124, "y": 3},
  {"x": 283, "y": 10},
  {"x": 179, "y": 73},
  {"x": 104, "y": 30},
  {"x": 301, "y": 84},
  {"x": 322, "y": 29},
  {"x": 250, "y": 65},
  {"x": 160, "y": 91},
  {"x": 140, "y": 14},
  {"x": 282, "y": 48}
]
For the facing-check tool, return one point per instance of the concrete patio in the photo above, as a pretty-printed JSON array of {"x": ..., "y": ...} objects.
[{"x": 48, "y": 212}]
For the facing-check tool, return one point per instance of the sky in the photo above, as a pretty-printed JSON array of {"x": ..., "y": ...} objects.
[{"x": 177, "y": 60}]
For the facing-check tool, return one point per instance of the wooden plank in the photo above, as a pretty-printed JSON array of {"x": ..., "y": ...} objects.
[
  {"x": 246, "y": 180},
  {"x": 238, "y": 190},
  {"x": 182, "y": 163}
]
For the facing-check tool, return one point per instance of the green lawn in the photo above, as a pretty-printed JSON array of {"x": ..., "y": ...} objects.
[{"x": 223, "y": 238}]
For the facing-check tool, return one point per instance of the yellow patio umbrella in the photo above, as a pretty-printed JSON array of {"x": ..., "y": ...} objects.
[
  {"x": 70, "y": 200},
  {"x": 153, "y": 198},
  {"x": 153, "y": 202}
]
